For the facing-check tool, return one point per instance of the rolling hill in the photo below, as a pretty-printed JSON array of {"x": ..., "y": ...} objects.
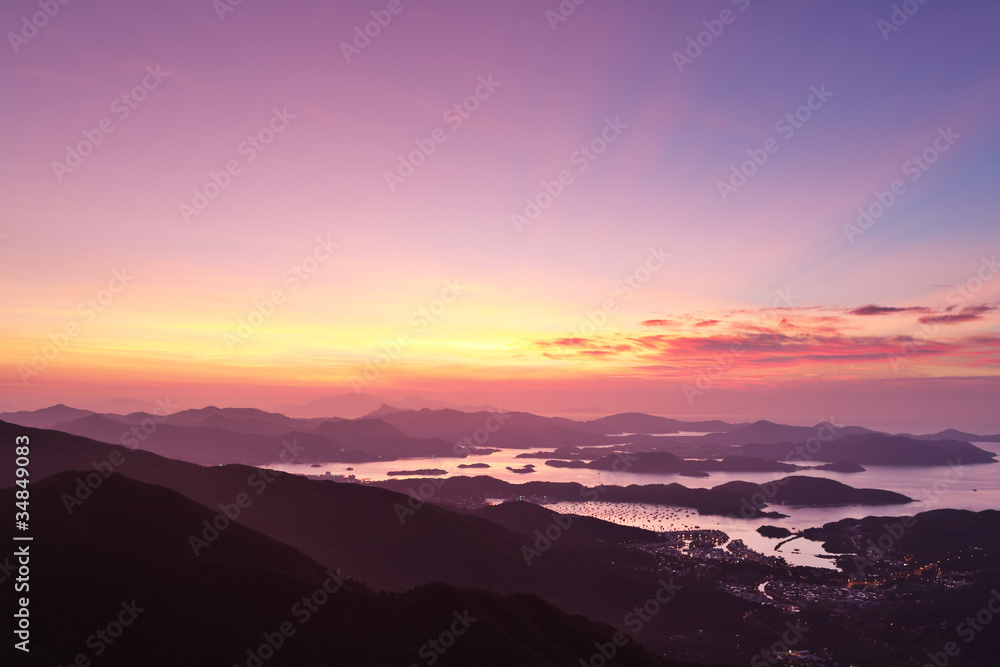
[{"x": 126, "y": 556}]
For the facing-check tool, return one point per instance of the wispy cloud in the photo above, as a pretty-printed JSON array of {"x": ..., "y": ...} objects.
[
  {"x": 813, "y": 340},
  {"x": 872, "y": 309},
  {"x": 967, "y": 314}
]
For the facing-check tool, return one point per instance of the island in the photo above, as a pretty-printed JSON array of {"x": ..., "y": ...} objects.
[
  {"x": 841, "y": 466},
  {"x": 736, "y": 499},
  {"x": 667, "y": 463},
  {"x": 774, "y": 531},
  {"x": 879, "y": 449}
]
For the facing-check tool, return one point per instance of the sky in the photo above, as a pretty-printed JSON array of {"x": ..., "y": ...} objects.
[{"x": 777, "y": 209}]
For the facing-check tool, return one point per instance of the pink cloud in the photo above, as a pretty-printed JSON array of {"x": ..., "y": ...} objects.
[
  {"x": 872, "y": 309},
  {"x": 967, "y": 314}
]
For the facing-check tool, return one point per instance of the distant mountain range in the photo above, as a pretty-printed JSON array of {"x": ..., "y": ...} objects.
[
  {"x": 767, "y": 433},
  {"x": 218, "y": 445},
  {"x": 359, "y": 404},
  {"x": 215, "y": 436},
  {"x": 45, "y": 417},
  {"x": 877, "y": 449},
  {"x": 952, "y": 434},
  {"x": 637, "y": 422}
]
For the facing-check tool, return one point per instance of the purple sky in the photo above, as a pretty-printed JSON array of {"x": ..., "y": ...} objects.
[{"x": 316, "y": 209}]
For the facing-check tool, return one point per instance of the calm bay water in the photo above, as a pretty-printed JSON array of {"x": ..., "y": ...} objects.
[{"x": 974, "y": 487}]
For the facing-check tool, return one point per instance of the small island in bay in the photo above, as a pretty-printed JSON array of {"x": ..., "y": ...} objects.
[{"x": 774, "y": 531}]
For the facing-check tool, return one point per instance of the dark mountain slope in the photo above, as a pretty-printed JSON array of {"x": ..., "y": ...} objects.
[{"x": 131, "y": 543}]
